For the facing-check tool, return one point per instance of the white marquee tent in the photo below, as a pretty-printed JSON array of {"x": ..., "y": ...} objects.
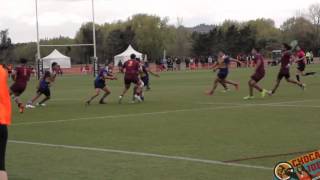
[
  {"x": 125, "y": 56},
  {"x": 56, "y": 56}
]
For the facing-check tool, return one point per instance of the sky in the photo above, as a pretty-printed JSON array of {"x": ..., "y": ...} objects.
[{"x": 64, "y": 17}]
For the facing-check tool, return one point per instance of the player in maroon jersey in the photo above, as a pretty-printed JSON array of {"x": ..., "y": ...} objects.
[
  {"x": 300, "y": 59},
  {"x": 131, "y": 70},
  {"x": 285, "y": 69},
  {"x": 257, "y": 76},
  {"x": 21, "y": 76}
]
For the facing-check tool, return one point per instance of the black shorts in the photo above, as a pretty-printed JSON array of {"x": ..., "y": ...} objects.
[
  {"x": 258, "y": 76},
  {"x": 128, "y": 81},
  {"x": 301, "y": 67},
  {"x": 99, "y": 85},
  {"x": 3, "y": 144},
  {"x": 145, "y": 80},
  {"x": 222, "y": 75},
  {"x": 18, "y": 88},
  {"x": 44, "y": 91},
  {"x": 282, "y": 75}
]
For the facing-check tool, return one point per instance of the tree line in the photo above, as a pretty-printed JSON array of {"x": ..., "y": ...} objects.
[{"x": 152, "y": 35}]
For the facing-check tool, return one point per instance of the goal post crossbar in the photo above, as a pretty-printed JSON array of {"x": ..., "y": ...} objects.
[
  {"x": 39, "y": 60},
  {"x": 65, "y": 45}
]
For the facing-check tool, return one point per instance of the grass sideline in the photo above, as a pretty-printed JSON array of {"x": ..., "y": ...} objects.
[{"x": 177, "y": 120}]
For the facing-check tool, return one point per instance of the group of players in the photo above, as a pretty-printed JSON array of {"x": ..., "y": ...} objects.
[
  {"x": 137, "y": 72},
  {"x": 21, "y": 76},
  {"x": 290, "y": 55}
]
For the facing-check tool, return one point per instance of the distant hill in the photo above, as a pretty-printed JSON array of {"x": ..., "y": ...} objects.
[{"x": 202, "y": 28}]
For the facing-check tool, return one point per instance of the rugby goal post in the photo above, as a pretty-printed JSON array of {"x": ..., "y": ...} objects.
[{"x": 94, "y": 59}]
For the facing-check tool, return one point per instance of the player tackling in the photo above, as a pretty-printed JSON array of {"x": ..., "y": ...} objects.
[{"x": 131, "y": 70}]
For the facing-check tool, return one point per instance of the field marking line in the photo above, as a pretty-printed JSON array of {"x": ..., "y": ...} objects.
[
  {"x": 258, "y": 104},
  {"x": 290, "y": 105},
  {"x": 269, "y": 156},
  {"x": 230, "y": 106},
  {"x": 276, "y": 105},
  {"x": 133, "y": 153},
  {"x": 125, "y": 115}
]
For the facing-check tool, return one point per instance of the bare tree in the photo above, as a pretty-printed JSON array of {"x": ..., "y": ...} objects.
[{"x": 314, "y": 15}]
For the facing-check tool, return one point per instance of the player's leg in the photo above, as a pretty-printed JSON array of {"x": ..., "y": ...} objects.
[
  {"x": 34, "y": 99},
  {"x": 107, "y": 92},
  {"x": 215, "y": 85},
  {"x": 126, "y": 88},
  {"x": 299, "y": 74},
  {"x": 139, "y": 89},
  {"x": 47, "y": 94},
  {"x": 142, "y": 85},
  {"x": 310, "y": 73},
  {"x": 3, "y": 144},
  {"x": 146, "y": 82},
  {"x": 224, "y": 86},
  {"x": 300, "y": 84},
  {"x": 276, "y": 86},
  {"x": 96, "y": 94},
  {"x": 236, "y": 85},
  {"x": 251, "y": 84},
  {"x": 16, "y": 98},
  {"x": 15, "y": 91}
]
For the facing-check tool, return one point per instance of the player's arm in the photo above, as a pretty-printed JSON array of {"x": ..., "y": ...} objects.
[
  {"x": 235, "y": 60},
  {"x": 300, "y": 59},
  {"x": 152, "y": 73},
  {"x": 123, "y": 68},
  {"x": 109, "y": 76},
  {"x": 52, "y": 78},
  {"x": 217, "y": 66},
  {"x": 14, "y": 75}
]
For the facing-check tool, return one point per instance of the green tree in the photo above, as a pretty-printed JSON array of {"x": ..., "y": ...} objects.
[
  {"x": 6, "y": 47},
  {"x": 298, "y": 28},
  {"x": 150, "y": 34}
]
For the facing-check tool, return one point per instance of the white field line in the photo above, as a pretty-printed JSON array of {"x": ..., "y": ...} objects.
[
  {"x": 142, "y": 154},
  {"x": 229, "y": 106},
  {"x": 126, "y": 115},
  {"x": 258, "y": 104},
  {"x": 291, "y": 105}
]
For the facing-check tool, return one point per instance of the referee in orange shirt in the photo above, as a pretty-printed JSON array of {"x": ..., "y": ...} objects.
[{"x": 5, "y": 119}]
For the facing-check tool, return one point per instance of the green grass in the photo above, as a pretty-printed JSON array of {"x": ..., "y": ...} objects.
[{"x": 179, "y": 120}]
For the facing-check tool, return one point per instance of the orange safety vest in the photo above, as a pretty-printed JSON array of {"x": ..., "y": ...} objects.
[{"x": 5, "y": 102}]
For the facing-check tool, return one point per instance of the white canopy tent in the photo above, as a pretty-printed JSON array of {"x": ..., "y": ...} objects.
[
  {"x": 56, "y": 56},
  {"x": 125, "y": 56}
]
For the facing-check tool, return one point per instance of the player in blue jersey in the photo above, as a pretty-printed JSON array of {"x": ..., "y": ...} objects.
[
  {"x": 100, "y": 83},
  {"x": 44, "y": 87},
  {"x": 223, "y": 67},
  {"x": 144, "y": 76}
]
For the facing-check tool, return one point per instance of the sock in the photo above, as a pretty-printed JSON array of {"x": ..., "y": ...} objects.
[
  {"x": 298, "y": 78},
  {"x": 310, "y": 73}
]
